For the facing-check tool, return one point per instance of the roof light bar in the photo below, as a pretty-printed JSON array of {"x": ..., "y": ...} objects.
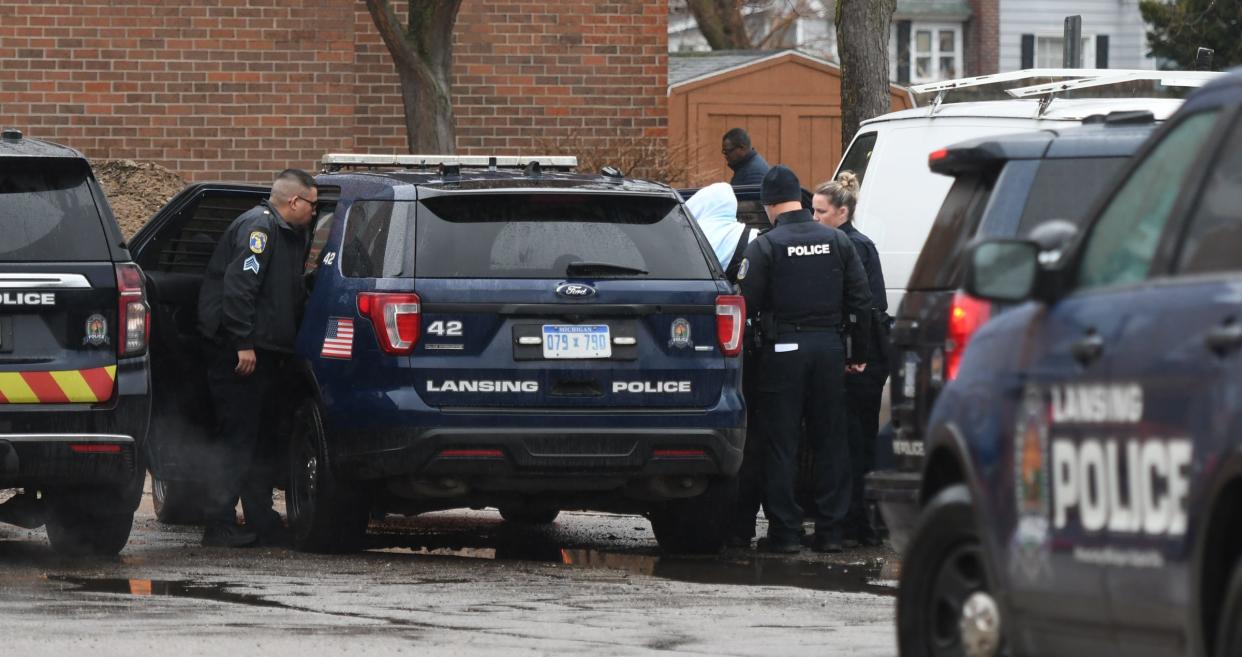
[{"x": 337, "y": 161}]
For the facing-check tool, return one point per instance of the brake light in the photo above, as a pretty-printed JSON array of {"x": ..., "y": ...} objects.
[
  {"x": 965, "y": 317},
  {"x": 133, "y": 312},
  {"x": 937, "y": 155},
  {"x": 730, "y": 323},
  {"x": 95, "y": 448},
  {"x": 397, "y": 319}
]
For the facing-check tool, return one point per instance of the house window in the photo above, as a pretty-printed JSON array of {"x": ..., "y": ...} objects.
[
  {"x": 1050, "y": 51},
  {"x": 935, "y": 52}
]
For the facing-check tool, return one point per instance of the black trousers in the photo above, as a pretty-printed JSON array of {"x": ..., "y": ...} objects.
[
  {"x": 750, "y": 476},
  {"x": 242, "y": 463},
  {"x": 797, "y": 383},
  {"x": 864, "y": 393}
]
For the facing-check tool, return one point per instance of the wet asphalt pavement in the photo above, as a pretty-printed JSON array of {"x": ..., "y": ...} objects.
[{"x": 450, "y": 583}]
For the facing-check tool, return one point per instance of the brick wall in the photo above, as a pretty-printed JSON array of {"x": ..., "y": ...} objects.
[
  {"x": 982, "y": 40},
  {"x": 237, "y": 89}
]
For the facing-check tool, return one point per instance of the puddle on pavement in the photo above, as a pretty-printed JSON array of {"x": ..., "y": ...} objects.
[
  {"x": 820, "y": 576},
  {"x": 172, "y": 588},
  {"x": 864, "y": 577}
]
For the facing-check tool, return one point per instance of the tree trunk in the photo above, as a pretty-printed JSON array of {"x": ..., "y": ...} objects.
[
  {"x": 423, "y": 56},
  {"x": 720, "y": 22},
  {"x": 862, "y": 42}
]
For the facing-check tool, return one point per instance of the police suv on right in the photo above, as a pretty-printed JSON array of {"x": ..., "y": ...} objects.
[{"x": 1083, "y": 472}]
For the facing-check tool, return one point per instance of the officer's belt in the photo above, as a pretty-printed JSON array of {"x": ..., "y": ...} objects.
[{"x": 789, "y": 327}]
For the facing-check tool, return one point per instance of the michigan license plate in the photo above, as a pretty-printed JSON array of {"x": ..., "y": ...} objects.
[{"x": 578, "y": 341}]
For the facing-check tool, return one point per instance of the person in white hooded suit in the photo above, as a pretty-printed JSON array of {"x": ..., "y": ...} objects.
[{"x": 715, "y": 209}]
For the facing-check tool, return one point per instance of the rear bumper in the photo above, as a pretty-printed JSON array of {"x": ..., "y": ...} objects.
[
  {"x": 896, "y": 493},
  {"x": 37, "y": 441},
  {"x": 488, "y": 454},
  {"x": 67, "y": 459}
]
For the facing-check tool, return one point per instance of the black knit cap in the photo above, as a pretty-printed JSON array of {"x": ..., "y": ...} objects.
[{"x": 780, "y": 185}]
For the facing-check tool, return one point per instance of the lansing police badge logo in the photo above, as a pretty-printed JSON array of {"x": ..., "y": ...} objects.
[
  {"x": 96, "y": 330},
  {"x": 1032, "y": 494},
  {"x": 258, "y": 242},
  {"x": 680, "y": 334}
]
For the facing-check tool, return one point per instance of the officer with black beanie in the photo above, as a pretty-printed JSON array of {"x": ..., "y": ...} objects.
[{"x": 802, "y": 281}]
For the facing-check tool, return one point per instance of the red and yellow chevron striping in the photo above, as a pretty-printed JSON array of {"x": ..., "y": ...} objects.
[{"x": 58, "y": 387}]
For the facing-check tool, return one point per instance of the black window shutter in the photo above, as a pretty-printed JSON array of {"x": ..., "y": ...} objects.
[
  {"x": 903, "y": 52},
  {"x": 1101, "y": 51},
  {"x": 1028, "y": 51}
]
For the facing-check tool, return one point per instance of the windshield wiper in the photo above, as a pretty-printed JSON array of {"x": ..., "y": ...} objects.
[{"x": 583, "y": 268}]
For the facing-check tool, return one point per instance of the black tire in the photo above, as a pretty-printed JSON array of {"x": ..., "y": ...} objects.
[
  {"x": 1229, "y": 625},
  {"x": 325, "y": 514},
  {"x": 943, "y": 566},
  {"x": 696, "y": 525},
  {"x": 177, "y": 502},
  {"x": 79, "y": 526},
  {"x": 529, "y": 515}
]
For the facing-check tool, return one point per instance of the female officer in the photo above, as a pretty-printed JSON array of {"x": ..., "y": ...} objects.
[{"x": 833, "y": 205}]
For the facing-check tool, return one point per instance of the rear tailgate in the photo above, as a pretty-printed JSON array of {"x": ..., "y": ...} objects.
[
  {"x": 545, "y": 300},
  {"x": 58, "y": 287},
  {"x": 641, "y": 354}
]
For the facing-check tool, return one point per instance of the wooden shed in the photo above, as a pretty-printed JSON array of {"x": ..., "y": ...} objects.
[{"x": 789, "y": 102}]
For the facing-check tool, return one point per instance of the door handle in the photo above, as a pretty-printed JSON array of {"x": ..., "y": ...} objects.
[
  {"x": 1089, "y": 348},
  {"x": 1224, "y": 339}
]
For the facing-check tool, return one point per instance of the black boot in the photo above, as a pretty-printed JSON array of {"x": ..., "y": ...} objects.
[{"x": 228, "y": 535}]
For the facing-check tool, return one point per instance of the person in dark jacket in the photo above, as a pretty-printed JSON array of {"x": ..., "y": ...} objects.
[
  {"x": 802, "y": 281},
  {"x": 248, "y": 311},
  {"x": 833, "y": 205},
  {"x": 748, "y": 166}
]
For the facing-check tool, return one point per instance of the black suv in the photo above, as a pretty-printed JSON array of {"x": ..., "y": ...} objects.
[
  {"x": 1004, "y": 186},
  {"x": 74, "y": 377}
]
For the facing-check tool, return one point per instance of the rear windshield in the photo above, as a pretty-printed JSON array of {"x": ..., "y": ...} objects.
[
  {"x": 47, "y": 212},
  {"x": 1066, "y": 189},
  {"x": 542, "y": 235}
]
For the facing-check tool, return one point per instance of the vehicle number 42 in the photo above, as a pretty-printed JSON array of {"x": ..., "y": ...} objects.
[{"x": 450, "y": 329}]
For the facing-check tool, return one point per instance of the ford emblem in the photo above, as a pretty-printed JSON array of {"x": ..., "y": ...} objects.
[{"x": 575, "y": 291}]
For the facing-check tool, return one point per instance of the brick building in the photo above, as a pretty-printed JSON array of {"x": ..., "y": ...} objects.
[{"x": 237, "y": 89}]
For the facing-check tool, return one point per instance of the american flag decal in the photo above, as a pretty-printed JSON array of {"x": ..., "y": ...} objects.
[{"x": 338, "y": 340}]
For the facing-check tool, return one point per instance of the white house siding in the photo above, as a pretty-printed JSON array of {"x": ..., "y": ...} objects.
[{"x": 1119, "y": 19}]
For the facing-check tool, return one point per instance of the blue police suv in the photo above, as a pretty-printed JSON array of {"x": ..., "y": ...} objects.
[
  {"x": 480, "y": 332},
  {"x": 1083, "y": 472}
]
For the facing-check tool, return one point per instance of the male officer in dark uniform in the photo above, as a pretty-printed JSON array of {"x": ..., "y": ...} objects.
[
  {"x": 803, "y": 280},
  {"x": 248, "y": 310}
]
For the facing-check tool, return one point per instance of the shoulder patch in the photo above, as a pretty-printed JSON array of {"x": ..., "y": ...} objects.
[
  {"x": 745, "y": 267},
  {"x": 251, "y": 265},
  {"x": 258, "y": 241}
]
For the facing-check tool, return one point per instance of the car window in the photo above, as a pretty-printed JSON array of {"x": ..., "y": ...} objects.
[
  {"x": 367, "y": 251},
  {"x": 186, "y": 243},
  {"x": 1214, "y": 238},
  {"x": 1124, "y": 238},
  {"x": 939, "y": 265},
  {"x": 47, "y": 212},
  {"x": 323, "y": 227},
  {"x": 859, "y": 155},
  {"x": 1066, "y": 188},
  {"x": 538, "y": 235}
]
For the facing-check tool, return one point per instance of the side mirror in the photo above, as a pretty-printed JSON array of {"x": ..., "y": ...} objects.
[
  {"x": 1053, "y": 237},
  {"x": 1003, "y": 271}
]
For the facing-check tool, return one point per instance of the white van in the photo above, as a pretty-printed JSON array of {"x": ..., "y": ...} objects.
[{"x": 900, "y": 196}]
